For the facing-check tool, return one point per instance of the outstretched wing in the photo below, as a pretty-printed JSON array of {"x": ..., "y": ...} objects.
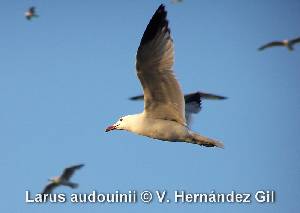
[
  {"x": 49, "y": 188},
  {"x": 271, "y": 44},
  {"x": 68, "y": 172},
  {"x": 208, "y": 96},
  {"x": 32, "y": 10},
  {"x": 137, "y": 98},
  {"x": 155, "y": 55},
  {"x": 294, "y": 41}
]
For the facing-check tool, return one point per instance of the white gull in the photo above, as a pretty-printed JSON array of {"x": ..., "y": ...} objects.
[
  {"x": 63, "y": 179},
  {"x": 164, "y": 107}
]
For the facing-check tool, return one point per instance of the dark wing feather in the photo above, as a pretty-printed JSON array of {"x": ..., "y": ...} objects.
[
  {"x": 49, "y": 188},
  {"x": 138, "y": 97},
  {"x": 192, "y": 106},
  {"x": 211, "y": 96},
  {"x": 68, "y": 172},
  {"x": 155, "y": 56},
  {"x": 32, "y": 10},
  {"x": 194, "y": 101},
  {"x": 271, "y": 44},
  {"x": 294, "y": 41}
]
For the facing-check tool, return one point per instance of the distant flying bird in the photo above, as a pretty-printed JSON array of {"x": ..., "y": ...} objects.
[
  {"x": 164, "y": 108},
  {"x": 192, "y": 102},
  {"x": 64, "y": 179},
  {"x": 285, "y": 43},
  {"x": 31, "y": 13}
]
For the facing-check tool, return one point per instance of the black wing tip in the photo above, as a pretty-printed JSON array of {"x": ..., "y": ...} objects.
[
  {"x": 199, "y": 96},
  {"x": 212, "y": 96},
  {"x": 161, "y": 7},
  {"x": 216, "y": 97},
  {"x": 157, "y": 22},
  {"x": 136, "y": 98},
  {"x": 80, "y": 165},
  {"x": 77, "y": 166},
  {"x": 265, "y": 46},
  {"x": 260, "y": 48}
]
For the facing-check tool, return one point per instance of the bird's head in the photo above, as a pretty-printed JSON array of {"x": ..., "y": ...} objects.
[
  {"x": 119, "y": 125},
  {"x": 124, "y": 123}
]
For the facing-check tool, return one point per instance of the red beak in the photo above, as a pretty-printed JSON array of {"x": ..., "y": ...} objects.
[{"x": 110, "y": 128}]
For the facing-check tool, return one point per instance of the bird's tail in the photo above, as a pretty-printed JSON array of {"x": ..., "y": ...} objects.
[
  {"x": 204, "y": 141},
  {"x": 73, "y": 185}
]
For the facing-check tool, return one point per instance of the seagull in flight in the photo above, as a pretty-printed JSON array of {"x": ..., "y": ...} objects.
[
  {"x": 63, "y": 179},
  {"x": 285, "y": 43},
  {"x": 163, "y": 117},
  {"x": 192, "y": 102},
  {"x": 31, "y": 13}
]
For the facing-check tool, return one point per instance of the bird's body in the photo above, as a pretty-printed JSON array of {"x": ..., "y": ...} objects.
[
  {"x": 163, "y": 117},
  {"x": 161, "y": 129},
  {"x": 289, "y": 44},
  {"x": 165, "y": 130},
  {"x": 63, "y": 179}
]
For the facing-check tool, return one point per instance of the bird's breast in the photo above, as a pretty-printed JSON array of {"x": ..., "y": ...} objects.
[{"x": 161, "y": 129}]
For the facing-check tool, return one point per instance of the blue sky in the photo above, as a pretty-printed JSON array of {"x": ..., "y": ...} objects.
[{"x": 67, "y": 75}]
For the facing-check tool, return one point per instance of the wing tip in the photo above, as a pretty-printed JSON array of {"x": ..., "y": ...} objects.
[
  {"x": 260, "y": 48},
  {"x": 157, "y": 22},
  {"x": 77, "y": 166},
  {"x": 135, "y": 98},
  {"x": 81, "y": 165},
  {"x": 212, "y": 96}
]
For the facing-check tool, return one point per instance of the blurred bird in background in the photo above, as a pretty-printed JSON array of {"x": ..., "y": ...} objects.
[
  {"x": 285, "y": 43},
  {"x": 64, "y": 179},
  {"x": 31, "y": 13}
]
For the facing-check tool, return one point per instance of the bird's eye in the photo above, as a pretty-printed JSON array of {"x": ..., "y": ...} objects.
[{"x": 121, "y": 119}]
